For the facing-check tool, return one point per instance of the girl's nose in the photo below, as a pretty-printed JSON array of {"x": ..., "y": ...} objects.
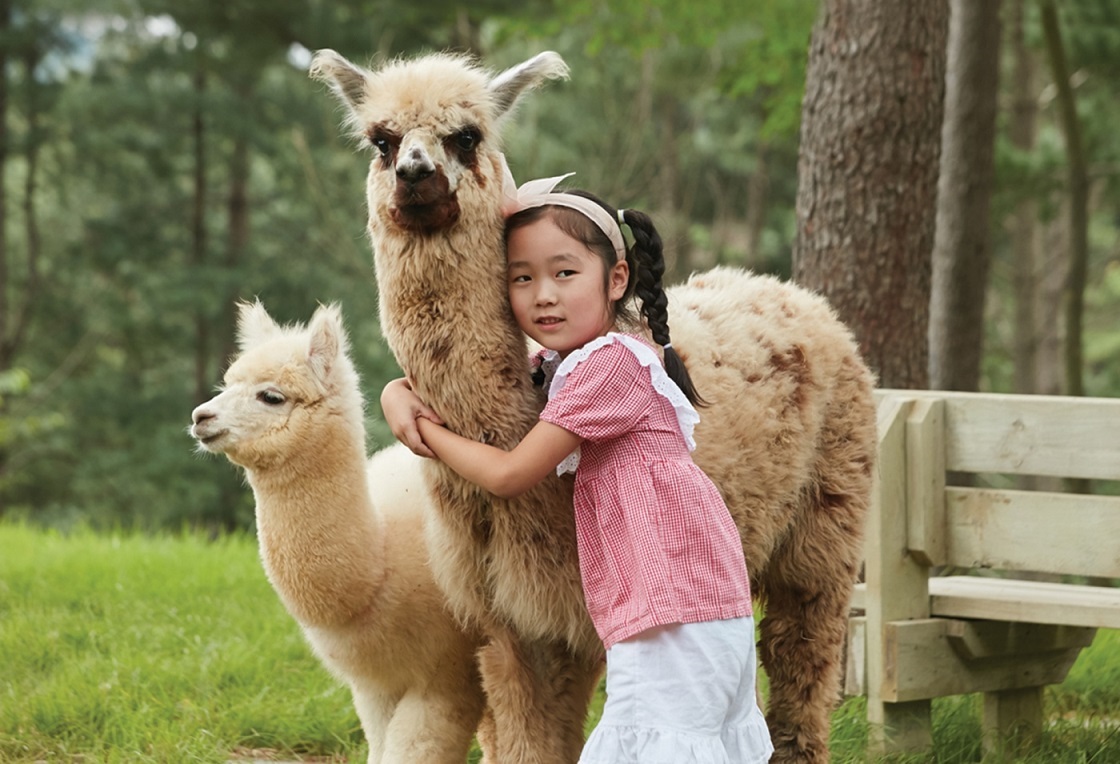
[{"x": 546, "y": 295}]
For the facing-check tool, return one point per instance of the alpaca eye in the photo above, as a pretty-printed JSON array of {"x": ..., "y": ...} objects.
[
  {"x": 270, "y": 397},
  {"x": 381, "y": 145},
  {"x": 467, "y": 139}
]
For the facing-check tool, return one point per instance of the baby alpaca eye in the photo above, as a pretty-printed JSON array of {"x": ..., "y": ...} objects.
[{"x": 270, "y": 397}]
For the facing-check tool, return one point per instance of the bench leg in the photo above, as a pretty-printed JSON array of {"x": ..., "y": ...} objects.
[
  {"x": 1012, "y": 719},
  {"x": 899, "y": 727}
]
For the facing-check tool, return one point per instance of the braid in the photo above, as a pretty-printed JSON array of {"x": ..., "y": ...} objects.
[{"x": 649, "y": 268}]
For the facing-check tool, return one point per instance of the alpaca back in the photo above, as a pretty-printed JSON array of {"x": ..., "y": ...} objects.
[{"x": 780, "y": 373}]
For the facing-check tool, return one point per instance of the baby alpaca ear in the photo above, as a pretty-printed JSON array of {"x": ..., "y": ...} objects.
[
  {"x": 254, "y": 325},
  {"x": 328, "y": 340}
]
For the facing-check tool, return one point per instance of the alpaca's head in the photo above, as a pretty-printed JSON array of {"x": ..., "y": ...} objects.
[
  {"x": 289, "y": 387},
  {"x": 432, "y": 125}
]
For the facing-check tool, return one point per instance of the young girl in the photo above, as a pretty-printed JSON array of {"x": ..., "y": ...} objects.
[{"x": 660, "y": 557}]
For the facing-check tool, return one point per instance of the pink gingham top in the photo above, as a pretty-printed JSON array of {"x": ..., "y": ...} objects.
[{"x": 656, "y": 543}]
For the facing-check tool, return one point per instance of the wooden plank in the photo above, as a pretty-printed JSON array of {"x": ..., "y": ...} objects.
[
  {"x": 1063, "y": 533},
  {"x": 896, "y": 587},
  {"x": 859, "y": 597},
  {"x": 925, "y": 482},
  {"x": 855, "y": 665},
  {"x": 1011, "y": 723},
  {"x": 921, "y": 663},
  {"x": 974, "y": 640},
  {"x": 1059, "y": 436},
  {"x": 999, "y": 599}
]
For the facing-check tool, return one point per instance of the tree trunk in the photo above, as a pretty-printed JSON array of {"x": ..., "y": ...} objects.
[
  {"x": 1078, "y": 199},
  {"x": 870, "y": 142},
  {"x": 758, "y": 198},
  {"x": 962, "y": 240},
  {"x": 203, "y": 381},
  {"x": 238, "y": 238},
  {"x": 5, "y": 34},
  {"x": 1022, "y": 131}
]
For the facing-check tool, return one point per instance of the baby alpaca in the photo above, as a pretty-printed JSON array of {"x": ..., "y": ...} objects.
[{"x": 351, "y": 569}]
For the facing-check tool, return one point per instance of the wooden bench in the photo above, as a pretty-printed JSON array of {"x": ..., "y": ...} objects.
[{"x": 922, "y": 635}]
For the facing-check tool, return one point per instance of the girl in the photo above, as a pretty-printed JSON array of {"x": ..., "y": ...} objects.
[{"x": 661, "y": 559}]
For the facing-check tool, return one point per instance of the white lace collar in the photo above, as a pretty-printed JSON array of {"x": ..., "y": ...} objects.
[{"x": 557, "y": 370}]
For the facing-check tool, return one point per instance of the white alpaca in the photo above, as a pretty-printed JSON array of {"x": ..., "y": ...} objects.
[
  {"x": 351, "y": 569},
  {"x": 789, "y": 437}
]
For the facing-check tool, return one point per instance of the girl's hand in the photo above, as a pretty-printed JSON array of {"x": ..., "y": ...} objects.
[{"x": 401, "y": 407}]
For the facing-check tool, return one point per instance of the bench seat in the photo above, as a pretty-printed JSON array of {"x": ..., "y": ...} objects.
[{"x": 1018, "y": 601}]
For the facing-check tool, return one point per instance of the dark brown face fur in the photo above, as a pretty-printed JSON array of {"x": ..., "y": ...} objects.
[
  {"x": 425, "y": 206},
  {"x": 424, "y": 202}
]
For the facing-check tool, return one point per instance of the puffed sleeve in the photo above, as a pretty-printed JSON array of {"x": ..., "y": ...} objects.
[{"x": 606, "y": 395}]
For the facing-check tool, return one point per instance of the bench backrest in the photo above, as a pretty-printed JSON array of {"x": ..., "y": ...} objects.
[{"x": 1045, "y": 531}]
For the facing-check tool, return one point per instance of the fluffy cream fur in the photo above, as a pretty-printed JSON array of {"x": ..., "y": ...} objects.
[
  {"x": 789, "y": 437},
  {"x": 342, "y": 539}
]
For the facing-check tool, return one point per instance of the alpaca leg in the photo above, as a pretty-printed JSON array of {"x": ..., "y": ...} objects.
[
  {"x": 807, "y": 589},
  {"x": 374, "y": 710},
  {"x": 538, "y": 693},
  {"x": 432, "y": 726},
  {"x": 487, "y": 737}
]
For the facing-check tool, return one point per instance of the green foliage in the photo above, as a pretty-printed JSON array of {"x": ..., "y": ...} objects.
[{"x": 120, "y": 117}]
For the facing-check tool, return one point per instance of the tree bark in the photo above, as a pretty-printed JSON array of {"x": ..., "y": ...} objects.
[
  {"x": 870, "y": 142},
  {"x": 5, "y": 33},
  {"x": 962, "y": 240},
  {"x": 1078, "y": 199},
  {"x": 1022, "y": 132},
  {"x": 238, "y": 236},
  {"x": 203, "y": 381}
]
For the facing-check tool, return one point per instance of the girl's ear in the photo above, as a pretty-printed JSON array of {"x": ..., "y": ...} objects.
[{"x": 617, "y": 280}]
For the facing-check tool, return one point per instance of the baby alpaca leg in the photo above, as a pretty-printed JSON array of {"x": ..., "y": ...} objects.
[{"x": 433, "y": 725}]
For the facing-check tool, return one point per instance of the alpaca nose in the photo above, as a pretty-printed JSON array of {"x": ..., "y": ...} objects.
[
  {"x": 414, "y": 166},
  {"x": 201, "y": 414}
]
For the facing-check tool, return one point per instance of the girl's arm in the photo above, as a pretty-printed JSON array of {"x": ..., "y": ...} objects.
[
  {"x": 504, "y": 473},
  {"x": 401, "y": 408}
]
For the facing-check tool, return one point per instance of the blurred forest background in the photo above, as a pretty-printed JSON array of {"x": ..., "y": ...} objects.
[{"x": 160, "y": 160}]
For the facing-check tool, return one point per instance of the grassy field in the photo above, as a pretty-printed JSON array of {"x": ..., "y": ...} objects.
[{"x": 126, "y": 648}]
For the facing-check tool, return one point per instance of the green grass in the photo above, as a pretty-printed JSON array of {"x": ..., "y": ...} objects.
[
  {"x": 138, "y": 649},
  {"x": 130, "y": 648}
]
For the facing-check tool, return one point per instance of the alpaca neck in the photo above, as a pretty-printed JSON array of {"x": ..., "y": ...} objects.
[
  {"x": 318, "y": 533},
  {"x": 447, "y": 318}
]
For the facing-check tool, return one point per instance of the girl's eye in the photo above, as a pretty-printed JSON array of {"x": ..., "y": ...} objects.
[
  {"x": 270, "y": 397},
  {"x": 519, "y": 279},
  {"x": 566, "y": 272}
]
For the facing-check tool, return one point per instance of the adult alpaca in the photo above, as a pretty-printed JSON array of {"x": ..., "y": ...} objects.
[
  {"x": 350, "y": 569},
  {"x": 789, "y": 437}
]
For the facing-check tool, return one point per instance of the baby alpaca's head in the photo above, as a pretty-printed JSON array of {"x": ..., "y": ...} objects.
[{"x": 290, "y": 387}]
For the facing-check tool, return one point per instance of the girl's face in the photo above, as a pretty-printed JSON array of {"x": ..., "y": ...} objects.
[{"x": 556, "y": 287}]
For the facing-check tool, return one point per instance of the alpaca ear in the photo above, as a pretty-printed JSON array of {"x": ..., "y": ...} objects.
[
  {"x": 346, "y": 80},
  {"x": 254, "y": 325},
  {"x": 328, "y": 340},
  {"x": 507, "y": 86}
]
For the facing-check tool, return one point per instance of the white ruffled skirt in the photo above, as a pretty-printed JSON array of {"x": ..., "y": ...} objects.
[{"x": 682, "y": 693}]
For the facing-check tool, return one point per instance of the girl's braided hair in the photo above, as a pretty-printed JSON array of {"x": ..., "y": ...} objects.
[{"x": 647, "y": 266}]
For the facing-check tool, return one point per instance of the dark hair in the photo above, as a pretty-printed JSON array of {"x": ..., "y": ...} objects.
[{"x": 647, "y": 265}]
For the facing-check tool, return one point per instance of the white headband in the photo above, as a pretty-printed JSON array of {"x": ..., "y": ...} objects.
[{"x": 538, "y": 193}]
